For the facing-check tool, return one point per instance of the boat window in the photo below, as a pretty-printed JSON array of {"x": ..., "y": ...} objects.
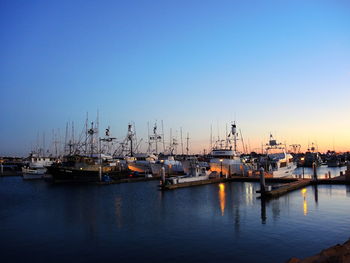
[{"x": 283, "y": 164}]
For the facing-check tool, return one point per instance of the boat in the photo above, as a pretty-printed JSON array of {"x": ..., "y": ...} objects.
[
  {"x": 226, "y": 160},
  {"x": 311, "y": 157},
  {"x": 92, "y": 164},
  {"x": 277, "y": 161},
  {"x": 197, "y": 173},
  {"x": 84, "y": 168},
  {"x": 36, "y": 166},
  {"x": 169, "y": 163},
  {"x": 141, "y": 162}
]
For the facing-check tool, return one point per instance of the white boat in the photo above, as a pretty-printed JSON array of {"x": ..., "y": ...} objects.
[
  {"x": 35, "y": 168},
  {"x": 277, "y": 162},
  {"x": 141, "y": 163},
  {"x": 197, "y": 173},
  {"x": 170, "y": 165},
  {"x": 227, "y": 161}
]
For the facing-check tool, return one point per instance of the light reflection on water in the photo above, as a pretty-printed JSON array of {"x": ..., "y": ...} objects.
[
  {"x": 134, "y": 222},
  {"x": 222, "y": 198}
]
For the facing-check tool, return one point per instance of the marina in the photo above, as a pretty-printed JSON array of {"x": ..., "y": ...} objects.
[
  {"x": 175, "y": 131},
  {"x": 227, "y": 220}
]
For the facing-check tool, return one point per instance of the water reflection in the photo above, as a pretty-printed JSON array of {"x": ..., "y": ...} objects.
[
  {"x": 249, "y": 193},
  {"x": 263, "y": 210},
  {"x": 118, "y": 212},
  {"x": 222, "y": 198},
  {"x": 348, "y": 190},
  {"x": 303, "y": 193},
  {"x": 315, "y": 188}
]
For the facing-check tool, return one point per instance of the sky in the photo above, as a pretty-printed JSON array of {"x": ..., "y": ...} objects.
[{"x": 272, "y": 66}]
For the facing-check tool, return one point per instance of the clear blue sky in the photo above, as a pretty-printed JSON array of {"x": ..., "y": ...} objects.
[{"x": 281, "y": 66}]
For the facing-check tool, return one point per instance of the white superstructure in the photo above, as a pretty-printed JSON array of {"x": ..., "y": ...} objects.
[
  {"x": 277, "y": 162},
  {"x": 226, "y": 160},
  {"x": 35, "y": 168}
]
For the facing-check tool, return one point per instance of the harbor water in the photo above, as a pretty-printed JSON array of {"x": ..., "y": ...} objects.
[{"x": 135, "y": 222}]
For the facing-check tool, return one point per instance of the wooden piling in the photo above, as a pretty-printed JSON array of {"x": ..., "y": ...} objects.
[{"x": 262, "y": 181}]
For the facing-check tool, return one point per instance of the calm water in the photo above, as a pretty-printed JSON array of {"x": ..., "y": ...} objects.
[
  {"x": 321, "y": 171},
  {"x": 136, "y": 223}
]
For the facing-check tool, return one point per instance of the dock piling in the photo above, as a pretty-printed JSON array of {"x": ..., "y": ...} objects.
[
  {"x": 1, "y": 169},
  {"x": 162, "y": 174},
  {"x": 100, "y": 173},
  {"x": 262, "y": 181},
  {"x": 314, "y": 168}
]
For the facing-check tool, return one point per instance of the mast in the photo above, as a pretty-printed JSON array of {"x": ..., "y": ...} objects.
[
  {"x": 155, "y": 136},
  {"x": 244, "y": 146},
  {"x": 187, "y": 144},
  {"x": 65, "y": 139},
  {"x": 182, "y": 144},
  {"x": 130, "y": 138},
  {"x": 72, "y": 140},
  {"x": 149, "y": 139},
  {"x": 86, "y": 133},
  {"x": 163, "y": 137},
  {"x": 43, "y": 144},
  {"x": 91, "y": 133},
  {"x": 211, "y": 137}
]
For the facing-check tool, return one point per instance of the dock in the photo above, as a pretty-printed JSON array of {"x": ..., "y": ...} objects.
[
  {"x": 195, "y": 183},
  {"x": 286, "y": 188}
]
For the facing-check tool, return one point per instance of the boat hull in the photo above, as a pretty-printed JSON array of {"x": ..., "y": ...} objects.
[{"x": 31, "y": 173}]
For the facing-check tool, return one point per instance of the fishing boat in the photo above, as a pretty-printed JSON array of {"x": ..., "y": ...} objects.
[
  {"x": 225, "y": 159},
  {"x": 312, "y": 156},
  {"x": 169, "y": 163},
  {"x": 197, "y": 173},
  {"x": 84, "y": 168},
  {"x": 86, "y": 160},
  {"x": 277, "y": 161},
  {"x": 36, "y": 166},
  {"x": 141, "y": 162}
]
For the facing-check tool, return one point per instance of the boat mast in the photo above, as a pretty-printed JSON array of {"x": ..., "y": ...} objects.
[
  {"x": 86, "y": 133},
  {"x": 149, "y": 139},
  {"x": 211, "y": 137},
  {"x": 155, "y": 136},
  {"x": 163, "y": 137},
  {"x": 187, "y": 144},
  {"x": 182, "y": 143},
  {"x": 244, "y": 146},
  {"x": 130, "y": 138}
]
